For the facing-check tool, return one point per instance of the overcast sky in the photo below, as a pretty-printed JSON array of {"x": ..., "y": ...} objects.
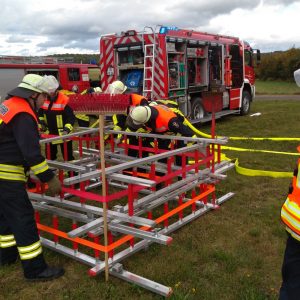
[{"x": 35, "y": 27}]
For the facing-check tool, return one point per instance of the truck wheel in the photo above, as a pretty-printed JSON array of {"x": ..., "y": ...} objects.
[
  {"x": 246, "y": 100},
  {"x": 197, "y": 110}
]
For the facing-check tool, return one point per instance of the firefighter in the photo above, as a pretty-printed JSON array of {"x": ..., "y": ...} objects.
[
  {"x": 119, "y": 120},
  {"x": 290, "y": 215},
  {"x": 20, "y": 150},
  {"x": 116, "y": 87},
  {"x": 58, "y": 118},
  {"x": 159, "y": 119}
]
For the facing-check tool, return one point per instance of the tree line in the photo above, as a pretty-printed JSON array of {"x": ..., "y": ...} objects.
[{"x": 278, "y": 65}]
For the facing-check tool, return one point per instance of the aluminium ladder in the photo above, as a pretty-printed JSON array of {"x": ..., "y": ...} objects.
[{"x": 149, "y": 60}]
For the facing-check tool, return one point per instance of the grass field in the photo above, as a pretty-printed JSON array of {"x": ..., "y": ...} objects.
[
  {"x": 234, "y": 253},
  {"x": 277, "y": 87}
]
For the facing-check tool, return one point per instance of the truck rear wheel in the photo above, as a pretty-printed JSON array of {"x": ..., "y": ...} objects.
[
  {"x": 246, "y": 100},
  {"x": 197, "y": 109}
]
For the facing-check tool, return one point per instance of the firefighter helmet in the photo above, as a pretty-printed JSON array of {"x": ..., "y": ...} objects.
[
  {"x": 40, "y": 84},
  {"x": 140, "y": 114},
  {"x": 116, "y": 87},
  {"x": 297, "y": 76},
  {"x": 97, "y": 89}
]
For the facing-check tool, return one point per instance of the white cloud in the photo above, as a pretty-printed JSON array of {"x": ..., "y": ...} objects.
[
  {"x": 269, "y": 27},
  {"x": 74, "y": 26}
]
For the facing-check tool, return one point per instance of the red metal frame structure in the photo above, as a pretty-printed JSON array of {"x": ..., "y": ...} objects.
[{"x": 187, "y": 192}]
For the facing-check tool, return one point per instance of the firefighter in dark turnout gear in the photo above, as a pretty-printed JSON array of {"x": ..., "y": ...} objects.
[
  {"x": 20, "y": 150},
  {"x": 160, "y": 119},
  {"x": 58, "y": 118},
  {"x": 120, "y": 119},
  {"x": 120, "y": 124}
]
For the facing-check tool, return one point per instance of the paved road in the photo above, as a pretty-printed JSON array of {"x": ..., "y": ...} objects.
[{"x": 277, "y": 97}]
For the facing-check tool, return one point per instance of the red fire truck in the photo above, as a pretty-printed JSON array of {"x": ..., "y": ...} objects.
[
  {"x": 203, "y": 72},
  {"x": 70, "y": 75}
]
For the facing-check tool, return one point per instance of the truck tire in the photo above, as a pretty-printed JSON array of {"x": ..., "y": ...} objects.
[
  {"x": 197, "y": 109},
  {"x": 246, "y": 101}
]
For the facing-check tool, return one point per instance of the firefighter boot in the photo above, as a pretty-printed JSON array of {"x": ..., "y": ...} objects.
[
  {"x": 49, "y": 273},
  {"x": 8, "y": 256}
]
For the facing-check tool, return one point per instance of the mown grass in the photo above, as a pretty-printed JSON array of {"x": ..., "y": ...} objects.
[
  {"x": 234, "y": 253},
  {"x": 277, "y": 87}
]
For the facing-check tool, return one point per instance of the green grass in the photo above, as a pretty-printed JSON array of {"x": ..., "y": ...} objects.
[
  {"x": 276, "y": 87},
  {"x": 234, "y": 253}
]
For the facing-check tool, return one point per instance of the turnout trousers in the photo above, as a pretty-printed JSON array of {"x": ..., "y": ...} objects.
[
  {"x": 18, "y": 230},
  {"x": 290, "y": 288},
  {"x": 54, "y": 150}
]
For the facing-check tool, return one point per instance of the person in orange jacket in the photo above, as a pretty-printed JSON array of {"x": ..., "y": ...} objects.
[
  {"x": 20, "y": 151},
  {"x": 160, "y": 119},
  {"x": 58, "y": 118},
  {"x": 290, "y": 216}
]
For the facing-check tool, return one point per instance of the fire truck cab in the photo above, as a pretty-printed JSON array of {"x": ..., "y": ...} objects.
[
  {"x": 70, "y": 75},
  {"x": 203, "y": 72}
]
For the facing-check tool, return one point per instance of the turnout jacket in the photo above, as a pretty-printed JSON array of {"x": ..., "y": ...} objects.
[
  {"x": 163, "y": 120},
  {"x": 19, "y": 142},
  {"x": 290, "y": 211},
  {"x": 57, "y": 115},
  {"x": 119, "y": 120}
]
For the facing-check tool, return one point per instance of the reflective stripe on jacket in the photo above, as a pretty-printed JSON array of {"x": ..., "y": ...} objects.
[
  {"x": 59, "y": 104},
  {"x": 8, "y": 110},
  {"x": 82, "y": 117},
  {"x": 290, "y": 211},
  {"x": 57, "y": 116}
]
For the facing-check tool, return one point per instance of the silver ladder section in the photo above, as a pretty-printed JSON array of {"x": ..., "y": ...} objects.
[{"x": 149, "y": 60}]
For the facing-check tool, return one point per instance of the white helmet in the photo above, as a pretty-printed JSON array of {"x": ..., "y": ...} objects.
[
  {"x": 97, "y": 90},
  {"x": 297, "y": 77},
  {"x": 116, "y": 87},
  {"x": 140, "y": 114},
  {"x": 40, "y": 84}
]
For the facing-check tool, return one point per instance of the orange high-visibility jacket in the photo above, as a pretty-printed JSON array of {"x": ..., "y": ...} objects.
[
  {"x": 59, "y": 104},
  {"x": 290, "y": 211},
  {"x": 165, "y": 114},
  {"x": 137, "y": 100},
  {"x": 13, "y": 106}
]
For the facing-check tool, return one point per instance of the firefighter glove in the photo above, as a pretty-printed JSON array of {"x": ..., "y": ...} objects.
[{"x": 54, "y": 187}]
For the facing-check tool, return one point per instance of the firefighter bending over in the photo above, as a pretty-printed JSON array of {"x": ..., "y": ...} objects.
[
  {"x": 159, "y": 119},
  {"x": 119, "y": 120},
  {"x": 19, "y": 151}
]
